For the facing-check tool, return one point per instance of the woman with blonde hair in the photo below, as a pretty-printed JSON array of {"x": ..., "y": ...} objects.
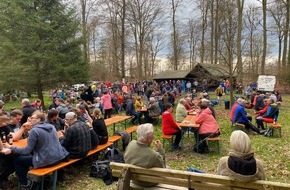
[
  {"x": 241, "y": 164},
  {"x": 99, "y": 126}
]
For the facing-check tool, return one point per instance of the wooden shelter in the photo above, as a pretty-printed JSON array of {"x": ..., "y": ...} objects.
[{"x": 209, "y": 72}]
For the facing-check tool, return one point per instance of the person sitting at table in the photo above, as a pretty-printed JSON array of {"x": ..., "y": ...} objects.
[
  {"x": 53, "y": 119},
  {"x": 99, "y": 126},
  {"x": 209, "y": 105},
  {"x": 208, "y": 127},
  {"x": 241, "y": 164},
  {"x": 140, "y": 154},
  {"x": 77, "y": 138},
  {"x": 15, "y": 117},
  {"x": 181, "y": 112},
  {"x": 130, "y": 110},
  {"x": 138, "y": 105},
  {"x": 170, "y": 127},
  {"x": 43, "y": 149},
  {"x": 188, "y": 103},
  {"x": 153, "y": 110}
]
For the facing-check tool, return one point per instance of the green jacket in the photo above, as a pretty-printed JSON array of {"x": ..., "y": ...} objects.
[
  {"x": 142, "y": 155},
  {"x": 181, "y": 113}
]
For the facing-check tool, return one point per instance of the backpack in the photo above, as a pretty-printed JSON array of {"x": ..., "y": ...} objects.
[
  {"x": 102, "y": 170},
  {"x": 114, "y": 155},
  {"x": 125, "y": 138}
]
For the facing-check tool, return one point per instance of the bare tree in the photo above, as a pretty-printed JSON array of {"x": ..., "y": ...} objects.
[
  {"x": 264, "y": 10},
  {"x": 174, "y": 5},
  {"x": 227, "y": 49},
  {"x": 277, "y": 12},
  {"x": 286, "y": 33},
  {"x": 203, "y": 5},
  {"x": 254, "y": 50},
  {"x": 240, "y": 7},
  {"x": 142, "y": 16},
  {"x": 193, "y": 37}
]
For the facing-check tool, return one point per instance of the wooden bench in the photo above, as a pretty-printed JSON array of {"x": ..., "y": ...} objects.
[
  {"x": 42, "y": 172},
  {"x": 276, "y": 126},
  {"x": 239, "y": 126},
  {"x": 215, "y": 140},
  {"x": 131, "y": 130},
  {"x": 114, "y": 139},
  {"x": 169, "y": 138},
  {"x": 155, "y": 119},
  {"x": 177, "y": 179}
]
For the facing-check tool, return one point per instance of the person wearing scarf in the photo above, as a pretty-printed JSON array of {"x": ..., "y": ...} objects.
[{"x": 241, "y": 164}]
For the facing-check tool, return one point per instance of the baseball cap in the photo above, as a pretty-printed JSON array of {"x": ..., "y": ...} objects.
[{"x": 70, "y": 115}]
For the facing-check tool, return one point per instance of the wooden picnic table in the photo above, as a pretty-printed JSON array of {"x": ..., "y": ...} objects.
[{"x": 117, "y": 119}]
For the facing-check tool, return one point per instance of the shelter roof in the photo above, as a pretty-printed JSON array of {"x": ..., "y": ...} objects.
[{"x": 172, "y": 74}]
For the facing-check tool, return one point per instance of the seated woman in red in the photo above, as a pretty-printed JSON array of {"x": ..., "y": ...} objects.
[
  {"x": 208, "y": 128},
  {"x": 270, "y": 115},
  {"x": 170, "y": 127}
]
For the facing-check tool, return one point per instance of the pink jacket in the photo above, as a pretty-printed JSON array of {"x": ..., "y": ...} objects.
[
  {"x": 106, "y": 100},
  {"x": 207, "y": 122}
]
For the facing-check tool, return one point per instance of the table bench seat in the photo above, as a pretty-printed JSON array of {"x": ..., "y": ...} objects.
[
  {"x": 177, "y": 179},
  {"x": 42, "y": 172}
]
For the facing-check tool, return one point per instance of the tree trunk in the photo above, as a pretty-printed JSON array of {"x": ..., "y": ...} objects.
[
  {"x": 123, "y": 40},
  {"x": 264, "y": 2},
  {"x": 175, "y": 54},
  {"x": 240, "y": 4}
]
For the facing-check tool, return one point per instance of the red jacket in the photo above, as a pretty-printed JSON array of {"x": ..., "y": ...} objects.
[
  {"x": 169, "y": 126},
  {"x": 207, "y": 122},
  {"x": 233, "y": 111},
  {"x": 263, "y": 111}
]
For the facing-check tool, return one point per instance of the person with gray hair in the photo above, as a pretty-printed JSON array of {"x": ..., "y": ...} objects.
[
  {"x": 181, "y": 112},
  {"x": 140, "y": 154},
  {"x": 241, "y": 164},
  {"x": 153, "y": 110},
  {"x": 240, "y": 116},
  {"x": 27, "y": 110}
]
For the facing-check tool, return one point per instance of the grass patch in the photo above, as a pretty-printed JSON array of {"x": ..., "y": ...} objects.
[{"x": 273, "y": 152}]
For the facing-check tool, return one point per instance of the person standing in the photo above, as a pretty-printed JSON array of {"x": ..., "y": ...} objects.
[
  {"x": 106, "y": 101},
  {"x": 219, "y": 93}
]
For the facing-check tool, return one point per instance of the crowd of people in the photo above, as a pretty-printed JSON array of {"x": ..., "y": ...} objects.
[
  {"x": 64, "y": 132},
  {"x": 78, "y": 119}
]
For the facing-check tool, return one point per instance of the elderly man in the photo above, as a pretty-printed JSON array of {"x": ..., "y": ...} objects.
[
  {"x": 27, "y": 110},
  {"x": 153, "y": 110},
  {"x": 77, "y": 138},
  {"x": 140, "y": 154},
  {"x": 240, "y": 116}
]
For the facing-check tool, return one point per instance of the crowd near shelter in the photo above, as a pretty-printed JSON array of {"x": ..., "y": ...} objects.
[{"x": 211, "y": 73}]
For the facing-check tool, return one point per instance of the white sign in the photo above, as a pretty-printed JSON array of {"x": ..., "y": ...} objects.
[{"x": 266, "y": 83}]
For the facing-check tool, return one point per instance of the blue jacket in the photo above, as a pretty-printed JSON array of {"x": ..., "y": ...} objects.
[
  {"x": 272, "y": 112},
  {"x": 240, "y": 115},
  {"x": 43, "y": 143}
]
